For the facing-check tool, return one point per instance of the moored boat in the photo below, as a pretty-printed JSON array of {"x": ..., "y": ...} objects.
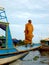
[
  {"x": 45, "y": 44},
  {"x": 8, "y": 52},
  {"x": 7, "y": 58}
]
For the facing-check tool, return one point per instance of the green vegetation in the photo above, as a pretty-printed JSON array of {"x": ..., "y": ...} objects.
[
  {"x": 42, "y": 41},
  {"x": 45, "y": 61},
  {"x": 36, "y": 58},
  {"x": 42, "y": 61},
  {"x": 2, "y": 41},
  {"x": 21, "y": 42},
  {"x": 2, "y": 37}
]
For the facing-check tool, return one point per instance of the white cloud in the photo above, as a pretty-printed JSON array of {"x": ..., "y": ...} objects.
[
  {"x": 18, "y": 11},
  {"x": 26, "y": 9},
  {"x": 27, "y": 15}
]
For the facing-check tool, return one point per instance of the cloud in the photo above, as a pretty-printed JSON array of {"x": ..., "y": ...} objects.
[
  {"x": 18, "y": 12},
  {"x": 28, "y": 14},
  {"x": 27, "y": 4},
  {"x": 22, "y": 10}
]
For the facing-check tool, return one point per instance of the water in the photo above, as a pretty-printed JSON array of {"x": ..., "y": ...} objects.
[{"x": 28, "y": 60}]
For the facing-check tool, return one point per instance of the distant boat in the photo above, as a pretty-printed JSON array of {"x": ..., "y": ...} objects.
[{"x": 44, "y": 46}]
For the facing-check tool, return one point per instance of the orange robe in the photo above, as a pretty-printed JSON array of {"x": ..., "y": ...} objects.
[{"x": 28, "y": 33}]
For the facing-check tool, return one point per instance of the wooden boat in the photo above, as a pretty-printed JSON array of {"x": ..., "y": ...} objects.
[
  {"x": 7, "y": 58},
  {"x": 23, "y": 48},
  {"x": 20, "y": 46},
  {"x": 8, "y": 52},
  {"x": 45, "y": 44}
]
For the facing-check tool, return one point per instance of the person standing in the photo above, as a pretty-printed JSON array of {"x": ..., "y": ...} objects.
[{"x": 29, "y": 28}]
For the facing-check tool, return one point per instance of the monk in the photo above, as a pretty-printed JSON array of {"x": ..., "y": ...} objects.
[{"x": 28, "y": 33}]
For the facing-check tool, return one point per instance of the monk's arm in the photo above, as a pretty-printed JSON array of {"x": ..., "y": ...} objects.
[
  {"x": 32, "y": 28},
  {"x": 25, "y": 28}
]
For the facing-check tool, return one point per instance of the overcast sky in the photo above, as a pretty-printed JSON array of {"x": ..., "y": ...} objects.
[{"x": 19, "y": 11}]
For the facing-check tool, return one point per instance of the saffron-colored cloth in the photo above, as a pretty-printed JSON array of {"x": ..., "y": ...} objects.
[{"x": 28, "y": 33}]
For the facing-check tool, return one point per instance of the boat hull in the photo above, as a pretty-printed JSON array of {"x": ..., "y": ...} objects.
[
  {"x": 9, "y": 58},
  {"x": 44, "y": 48},
  {"x": 28, "y": 48}
]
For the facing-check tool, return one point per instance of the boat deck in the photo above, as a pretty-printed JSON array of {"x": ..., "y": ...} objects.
[{"x": 24, "y": 49}]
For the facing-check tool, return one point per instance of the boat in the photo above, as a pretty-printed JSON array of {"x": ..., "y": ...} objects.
[
  {"x": 23, "y": 48},
  {"x": 44, "y": 45},
  {"x": 8, "y": 52}
]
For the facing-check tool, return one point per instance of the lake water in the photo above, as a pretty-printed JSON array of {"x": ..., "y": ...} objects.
[{"x": 28, "y": 60}]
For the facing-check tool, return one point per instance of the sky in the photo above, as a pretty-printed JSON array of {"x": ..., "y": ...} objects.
[{"x": 19, "y": 11}]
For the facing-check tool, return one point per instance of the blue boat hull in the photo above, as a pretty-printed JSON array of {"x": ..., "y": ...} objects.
[
  {"x": 9, "y": 55},
  {"x": 7, "y": 58}
]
